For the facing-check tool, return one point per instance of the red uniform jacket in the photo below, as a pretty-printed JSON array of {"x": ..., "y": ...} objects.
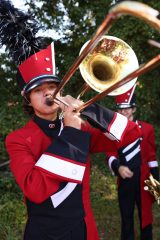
[
  {"x": 148, "y": 156},
  {"x": 148, "y": 161},
  {"x": 39, "y": 181}
]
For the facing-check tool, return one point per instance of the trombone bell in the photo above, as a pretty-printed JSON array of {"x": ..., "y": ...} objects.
[{"x": 110, "y": 61}]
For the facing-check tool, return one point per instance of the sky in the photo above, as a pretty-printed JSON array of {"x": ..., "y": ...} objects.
[
  {"x": 18, "y": 4},
  {"x": 21, "y": 5}
]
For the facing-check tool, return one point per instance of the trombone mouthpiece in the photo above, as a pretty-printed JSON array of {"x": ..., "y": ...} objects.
[{"x": 49, "y": 101}]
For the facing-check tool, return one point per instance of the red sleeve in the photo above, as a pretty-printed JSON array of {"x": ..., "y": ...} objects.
[
  {"x": 148, "y": 146},
  {"x": 148, "y": 149},
  {"x": 35, "y": 184},
  {"x": 104, "y": 142},
  {"x": 131, "y": 133},
  {"x": 151, "y": 146},
  {"x": 40, "y": 178}
]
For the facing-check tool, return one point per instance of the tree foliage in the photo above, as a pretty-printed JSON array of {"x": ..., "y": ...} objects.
[{"x": 75, "y": 22}]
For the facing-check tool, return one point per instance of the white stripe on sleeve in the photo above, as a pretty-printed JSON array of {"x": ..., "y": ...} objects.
[
  {"x": 60, "y": 196},
  {"x": 153, "y": 164},
  {"x": 132, "y": 154},
  {"x": 111, "y": 159},
  {"x": 130, "y": 146},
  {"x": 61, "y": 167},
  {"x": 118, "y": 126}
]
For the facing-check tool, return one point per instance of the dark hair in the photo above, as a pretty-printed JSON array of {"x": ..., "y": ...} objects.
[
  {"x": 28, "y": 109},
  {"x": 26, "y": 105}
]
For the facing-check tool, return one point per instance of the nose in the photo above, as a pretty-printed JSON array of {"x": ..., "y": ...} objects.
[
  {"x": 47, "y": 92},
  {"x": 123, "y": 111}
]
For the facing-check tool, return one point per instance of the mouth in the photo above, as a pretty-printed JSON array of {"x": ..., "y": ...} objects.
[{"x": 49, "y": 101}]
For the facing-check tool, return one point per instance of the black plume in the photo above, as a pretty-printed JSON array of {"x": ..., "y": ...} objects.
[{"x": 17, "y": 32}]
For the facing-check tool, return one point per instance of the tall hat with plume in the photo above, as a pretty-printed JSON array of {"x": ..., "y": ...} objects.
[
  {"x": 18, "y": 34},
  {"x": 127, "y": 99}
]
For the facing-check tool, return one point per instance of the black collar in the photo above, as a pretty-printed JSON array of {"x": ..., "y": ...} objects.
[{"x": 50, "y": 128}]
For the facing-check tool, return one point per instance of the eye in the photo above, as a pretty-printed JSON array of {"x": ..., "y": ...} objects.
[
  {"x": 38, "y": 89},
  {"x": 52, "y": 86}
]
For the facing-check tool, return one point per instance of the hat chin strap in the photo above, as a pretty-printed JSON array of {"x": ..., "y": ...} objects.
[{"x": 24, "y": 95}]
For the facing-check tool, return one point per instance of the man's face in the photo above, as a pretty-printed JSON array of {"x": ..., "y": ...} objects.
[
  {"x": 38, "y": 100},
  {"x": 127, "y": 112}
]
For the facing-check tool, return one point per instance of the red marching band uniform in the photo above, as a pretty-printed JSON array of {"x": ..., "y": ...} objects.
[
  {"x": 40, "y": 163},
  {"x": 50, "y": 161},
  {"x": 141, "y": 154},
  {"x": 39, "y": 173},
  {"x": 148, "y": 156}
]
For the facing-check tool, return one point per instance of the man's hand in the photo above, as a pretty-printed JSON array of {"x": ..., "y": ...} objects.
[
  {"x": 71, "y": 117},
  {"x": 125, "y": 172}
]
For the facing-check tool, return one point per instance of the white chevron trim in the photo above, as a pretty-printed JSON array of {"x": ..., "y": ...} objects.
[
  {"x": 153, "y": 164},
  {"x": 130, "y": 146},
  {"x": 61, "y": 167},
  {"x": 132, "y": 154},
  {"x": 111, "y": 159},
  {"x": 118, "y": 126},
  {"x": 60, "y": 196}
]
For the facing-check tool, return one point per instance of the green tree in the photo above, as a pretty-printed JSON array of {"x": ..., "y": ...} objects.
[{"x": 75, "y": 22}]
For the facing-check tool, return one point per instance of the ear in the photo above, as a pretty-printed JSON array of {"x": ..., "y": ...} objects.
[
  {"x": 134, "y": 109},
  {"x": 23, "y": 95},
  {"x": 29, "y": 104}
]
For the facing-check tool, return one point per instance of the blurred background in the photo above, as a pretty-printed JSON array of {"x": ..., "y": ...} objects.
[{"x": 70, "y": 24}]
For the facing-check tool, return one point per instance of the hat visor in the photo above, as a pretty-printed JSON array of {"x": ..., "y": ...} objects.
[
  {"x": 122, "y": 106},
  {"x": 39, "y": 81}
]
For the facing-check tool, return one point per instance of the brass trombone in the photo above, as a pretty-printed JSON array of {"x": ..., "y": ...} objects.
[
  {"x": 137, "y": 9},
  {"x": 153, "y": 186},
  {"x": 110, "y": 61}
]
